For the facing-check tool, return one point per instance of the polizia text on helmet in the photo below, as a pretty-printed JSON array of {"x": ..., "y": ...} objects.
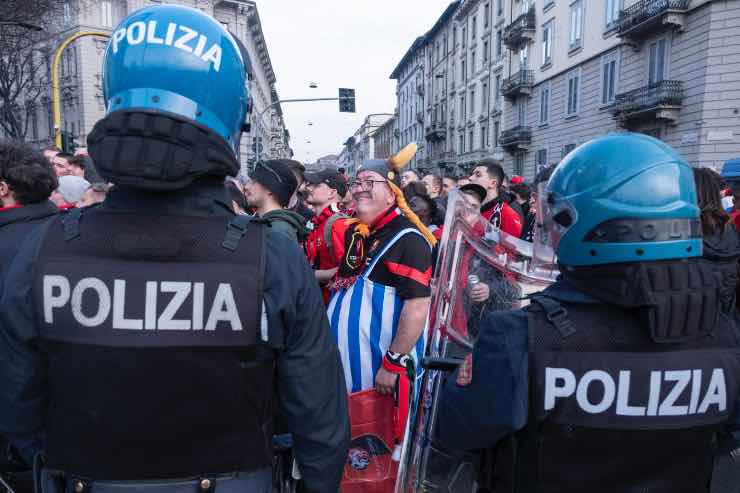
[{"x": 177, "y": 36}]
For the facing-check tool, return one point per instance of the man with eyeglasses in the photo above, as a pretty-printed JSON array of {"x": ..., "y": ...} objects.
[
  {"x": 379, "y": 319},
  {"x": 325, "y": 189}
]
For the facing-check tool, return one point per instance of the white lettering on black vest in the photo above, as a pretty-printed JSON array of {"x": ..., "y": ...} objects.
[
  {"x": 58, "y": 294},
  {"x": 561, "y": 383}
]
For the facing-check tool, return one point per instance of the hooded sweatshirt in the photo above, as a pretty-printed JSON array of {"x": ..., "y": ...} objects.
[{"x": 287, "y": 222}]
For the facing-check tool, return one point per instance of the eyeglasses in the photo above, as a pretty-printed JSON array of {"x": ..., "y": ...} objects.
[{"x": 366, "y": 185}]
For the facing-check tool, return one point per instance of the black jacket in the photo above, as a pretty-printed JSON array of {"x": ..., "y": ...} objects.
[
  {"x": 15, "y": 225},
  {"x": 723, "y": 249},
  {"x": 310, "y": 382}
]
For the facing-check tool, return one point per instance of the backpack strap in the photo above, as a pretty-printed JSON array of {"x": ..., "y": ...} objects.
[
  {"x": 71, "y": 224},
  {"x": 327, "y": 231},
  {"x": 235, "y": 231},
  {"x": 556, "y": 314}
]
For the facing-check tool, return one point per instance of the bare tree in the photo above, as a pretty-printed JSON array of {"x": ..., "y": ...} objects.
[{"x": 26, "y": 27}]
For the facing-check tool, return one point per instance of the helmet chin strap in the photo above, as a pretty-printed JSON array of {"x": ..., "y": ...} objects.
[{"x": 156, "y": 150}]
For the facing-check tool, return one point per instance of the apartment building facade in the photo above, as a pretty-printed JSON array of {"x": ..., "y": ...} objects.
[
  {"x": 81, "y": 79},
  {"x": 362, "y": 144},
  {"x": 461, "y": 71},
  {"x": 584, "y": 68},
  {"x": 409, "y": 76}
]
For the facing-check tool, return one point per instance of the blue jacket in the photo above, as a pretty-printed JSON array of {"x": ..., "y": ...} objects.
[{"x": 310, "y": 380}]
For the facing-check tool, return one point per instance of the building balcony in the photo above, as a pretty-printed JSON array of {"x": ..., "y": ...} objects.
[
  {"x": 515, "y": 139},
  {"x": 521, "y": 31},
  {"x": 519, "y": 84},
  {"x": 436, "y": 132},
  {"x": 660, "y": 101},
  {"x": 647, "y": 17}
]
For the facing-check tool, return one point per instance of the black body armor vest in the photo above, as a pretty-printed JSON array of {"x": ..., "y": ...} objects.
[
  {"x": 151, "y": 325},
  {"x": 613, "y": 411}
]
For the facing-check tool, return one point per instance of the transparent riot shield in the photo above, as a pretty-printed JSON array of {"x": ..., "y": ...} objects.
[{"x": 471, "y": 253}]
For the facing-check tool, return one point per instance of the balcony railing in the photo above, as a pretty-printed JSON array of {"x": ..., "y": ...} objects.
[
  {"x": 521, "y": 31},
  {"x": 518, "y": 84},
  {"x": 646, "y": 16},
  {"x": 660, "y": 101},
  {"x": 436, "y": 131},
  {"x": 516, "y": 138}
]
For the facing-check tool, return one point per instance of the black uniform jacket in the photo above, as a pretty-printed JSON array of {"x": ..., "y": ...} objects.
[{"x": 310, "y": 383}]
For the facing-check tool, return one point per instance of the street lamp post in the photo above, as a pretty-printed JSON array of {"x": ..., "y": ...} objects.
[{"x": 56, "y": 91}]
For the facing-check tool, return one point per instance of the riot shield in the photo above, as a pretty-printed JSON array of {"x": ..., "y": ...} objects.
[{"x": 472, "y": 252}]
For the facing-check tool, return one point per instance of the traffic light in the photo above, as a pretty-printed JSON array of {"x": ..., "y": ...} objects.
[
  {"x": 69, "y": 142},
  {"x": 346, "y": 100}
]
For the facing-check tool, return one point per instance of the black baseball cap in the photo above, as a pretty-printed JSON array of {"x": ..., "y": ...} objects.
[{"x": 329, "y": 175}]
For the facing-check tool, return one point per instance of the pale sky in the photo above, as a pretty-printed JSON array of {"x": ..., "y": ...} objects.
[{"x": 339, "y": 43}]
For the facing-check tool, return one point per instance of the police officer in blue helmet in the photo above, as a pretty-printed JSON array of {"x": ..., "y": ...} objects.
[
  {"x": 622, "y": 375},
  {"x": 149, "y": 342}
]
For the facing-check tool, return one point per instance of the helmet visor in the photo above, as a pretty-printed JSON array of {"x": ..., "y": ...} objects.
[{"x": 555, "y": 217}]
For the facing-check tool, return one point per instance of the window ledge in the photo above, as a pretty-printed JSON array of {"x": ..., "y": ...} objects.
[
  {"x": 544, "y": 125},
  {"x": 605, "y": 107},
  {"x": 548, "y": 7},
  {"x": 609, "y": 32},
  {"x": 500, "y": 20},
  {"x": 575, "y": 50},
  {"x": 571, "y": 117},
  {"x": 546, "y": 66}
]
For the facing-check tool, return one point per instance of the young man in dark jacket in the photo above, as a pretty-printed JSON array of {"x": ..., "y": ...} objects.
[
  {"x": 26, "y": 182},
  {"x": 272, "y": 185}
]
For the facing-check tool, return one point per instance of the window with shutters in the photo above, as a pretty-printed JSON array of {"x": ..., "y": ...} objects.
[
  {"x": 547, "y": 37},
  {"x": 611, "y": 16},
  {"x": 541, "y": 160},
  {"x": 609, "y": 78},
  {"x": 567, "y": 148},
  {"x": 573, "y": 93},
  {"x": 576, "y": 25},
  {"x": 657, "y": 61},
  {"x": 519, "y": 159},
  {"x": 106, "y": 13},
  {"x": 545, "y": 104}
]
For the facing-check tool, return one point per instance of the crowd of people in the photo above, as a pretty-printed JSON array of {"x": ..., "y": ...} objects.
[{"x": 163, "y": 318}]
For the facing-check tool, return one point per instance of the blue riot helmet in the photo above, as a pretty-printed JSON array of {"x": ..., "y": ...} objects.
[
  {"x": 731, "y": 173},
  {"x": 175, "y": 87},
  {"x": 621, "y": 198}
]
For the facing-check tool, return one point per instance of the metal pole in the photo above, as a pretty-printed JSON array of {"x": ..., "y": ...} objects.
[{"x": 56, "y": 91}]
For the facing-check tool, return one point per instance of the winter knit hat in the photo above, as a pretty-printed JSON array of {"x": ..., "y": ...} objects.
[
  {"x": 277, "y": 177},
  {"x": 72, "y": 188}
]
